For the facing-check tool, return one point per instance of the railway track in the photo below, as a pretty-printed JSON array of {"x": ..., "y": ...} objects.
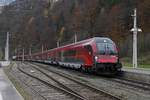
[
  {"x": 86, "y": 91},
  {"x": 24, "y": 80},
  {"x": 133, "y": 83},
  {"x": 129, "y": 82},
  {"x": 56, "y": 91}
]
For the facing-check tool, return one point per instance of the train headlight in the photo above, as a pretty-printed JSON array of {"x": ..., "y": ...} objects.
[{"x": 96, "y": 58}]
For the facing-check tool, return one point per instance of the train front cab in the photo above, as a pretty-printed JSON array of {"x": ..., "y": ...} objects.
[{"x": 106, "y": 59}]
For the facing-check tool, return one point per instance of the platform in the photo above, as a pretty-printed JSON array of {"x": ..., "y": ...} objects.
[
  {"x": 139, "y": 74},
  {"x": 7, "y": 90},
  {"x": 138, "y": 70},
  {"x": 4, "y": 63}
]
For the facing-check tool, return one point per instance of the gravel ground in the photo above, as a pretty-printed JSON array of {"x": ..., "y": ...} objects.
[
  {"x": 124, "y": 91},
  {"x": 13, "y": 75},
  {"x": 86, "y": 92},
  {"x": 33, "y": 89}
]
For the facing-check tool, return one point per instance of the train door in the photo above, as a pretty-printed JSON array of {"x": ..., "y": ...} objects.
[
  {"x": 89, "y": 49},
  {"x": 88, "y": 55}
]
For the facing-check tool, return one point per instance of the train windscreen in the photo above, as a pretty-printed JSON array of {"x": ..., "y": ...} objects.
[{"x": 106, "y": 48}]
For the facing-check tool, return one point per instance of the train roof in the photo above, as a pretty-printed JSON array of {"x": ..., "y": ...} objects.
[
  {"x": 83, "y": 42},
  {"x": 87, "y": 41},
  {"x": 103, "y": 40}
]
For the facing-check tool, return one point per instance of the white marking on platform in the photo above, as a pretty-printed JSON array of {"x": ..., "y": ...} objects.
[{"x": 1, "y": 98}]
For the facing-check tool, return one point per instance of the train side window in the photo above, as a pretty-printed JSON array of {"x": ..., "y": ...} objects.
[
  {"x": 70, "y": 53},
  {"x": 89, "y": 48}
]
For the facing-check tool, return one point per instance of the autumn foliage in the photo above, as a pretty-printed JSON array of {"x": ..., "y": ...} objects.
[{"x": 34, "y": 23}]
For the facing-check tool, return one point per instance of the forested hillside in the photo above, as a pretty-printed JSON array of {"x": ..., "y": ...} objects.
[{"x": 33, "y": 23}]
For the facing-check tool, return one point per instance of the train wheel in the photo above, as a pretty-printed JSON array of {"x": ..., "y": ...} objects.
[
  {"x": 89, "y": 70},
  {"x": 82, "y": 69},
  {"x": 86, "y": 70}
]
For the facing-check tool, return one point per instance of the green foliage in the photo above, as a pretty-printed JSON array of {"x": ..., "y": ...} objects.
[{"x": 143, "y": 61}]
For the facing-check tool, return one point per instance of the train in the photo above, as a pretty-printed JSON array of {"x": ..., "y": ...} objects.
[{"x": 97, "y": 54}]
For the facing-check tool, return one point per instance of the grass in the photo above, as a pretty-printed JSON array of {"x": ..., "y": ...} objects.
[
  {"x": 143, "y": 61},
  {"x": 17, "y": 85},
  {"x": 126, "y": 64}
]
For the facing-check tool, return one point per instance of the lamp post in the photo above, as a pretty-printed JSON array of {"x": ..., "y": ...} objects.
[{"x": 135, "y": 30}]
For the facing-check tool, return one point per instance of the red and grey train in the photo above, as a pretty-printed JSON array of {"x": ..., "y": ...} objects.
[{"x": 98, "y": 54}]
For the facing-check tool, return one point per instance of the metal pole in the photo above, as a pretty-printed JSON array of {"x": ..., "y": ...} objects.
[
  {"x": 135, "y": 30},
  {"x": 18, "y": 54},
  {"x": 42, "y": 49},
  {"x": 23, "y": 54},
  {"x": 7, "y": 48},
  {"x": 135, "y": 41},
  {"x": 75, "y": 38},
  {"x": 30, "y": 51},
  {"x": 58, "y": 43}
]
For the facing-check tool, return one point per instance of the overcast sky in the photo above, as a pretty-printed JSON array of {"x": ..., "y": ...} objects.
[{"x": 4, "y": 2}]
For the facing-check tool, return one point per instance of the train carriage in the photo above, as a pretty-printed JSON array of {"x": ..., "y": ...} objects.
[{"x": 97, "y": 54}]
